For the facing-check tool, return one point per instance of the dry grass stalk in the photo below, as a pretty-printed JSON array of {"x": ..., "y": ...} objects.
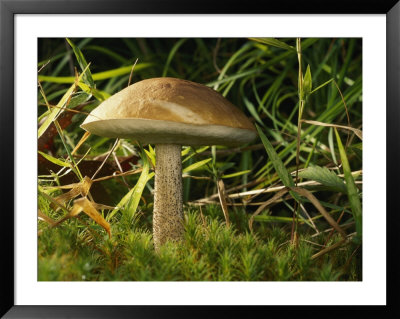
[{"x": 222, "y": 200}]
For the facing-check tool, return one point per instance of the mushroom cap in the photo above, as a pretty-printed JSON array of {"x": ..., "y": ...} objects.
[{"x": 171, "y": 111}]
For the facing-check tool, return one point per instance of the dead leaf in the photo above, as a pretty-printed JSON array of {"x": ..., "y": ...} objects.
[
  {"x": 89, "y": 209},
  {"x": 83, "y": 204},
  {"x": 53, "y": 202},
  {"x": 81, "y": 188}
]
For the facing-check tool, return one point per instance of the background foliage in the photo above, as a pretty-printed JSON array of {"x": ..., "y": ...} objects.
[{"x": 260, "y": 239}]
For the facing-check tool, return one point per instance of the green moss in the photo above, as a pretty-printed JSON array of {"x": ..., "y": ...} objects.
[{"x": 211, "y": 251}]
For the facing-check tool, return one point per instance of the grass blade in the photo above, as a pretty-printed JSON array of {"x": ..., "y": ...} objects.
[
  {"x": 55, "y": 160},
  {"x": 274, "y": 42},
  {"x": 236, "y": 174},
  {"x": 61, "y": 104},
  {"x": 321, "y": 86},
  {"x": 87, "y": 78},
  {"x": 99, "y": 95},
  {"x": 171, "y": 55},
  {"x": 96, "y": 76},
  {"x": 352, "y": 191},
  {"x": 196, "y": 165},
  {"x": 139, "y": 187},
  {"x": 276, "y": 161},
  {"x": 307, "y": 82},
  {"x": 195, "y": 152},
  {"x": 132, "y": 198},
  {"x": 152, "y": 155}
]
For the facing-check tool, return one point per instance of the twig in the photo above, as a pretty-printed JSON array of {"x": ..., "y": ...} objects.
[
  {"x": 105, "y": 159},
  {"x": 330, "y": 248},
  {"x": 130, "y": 75},
  {"x": 265, "y": 190}
]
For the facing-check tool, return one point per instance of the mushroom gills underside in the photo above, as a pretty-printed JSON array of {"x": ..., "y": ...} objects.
[{"x": 166, "y": 132}]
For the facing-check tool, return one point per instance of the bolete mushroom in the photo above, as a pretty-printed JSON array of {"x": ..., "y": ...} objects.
[{"x": 169, "y": 113}]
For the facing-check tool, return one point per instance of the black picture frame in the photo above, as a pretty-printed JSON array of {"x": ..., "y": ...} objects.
[{"x": 8, "y": 10}]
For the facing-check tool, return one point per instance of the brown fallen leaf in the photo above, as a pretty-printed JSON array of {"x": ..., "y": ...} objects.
[
  {"x": 102, "y": 207},
  {"x": 53, "y": 202},
  {"x": 77, "y": 189},
  {"x": 83, "y": 204}
]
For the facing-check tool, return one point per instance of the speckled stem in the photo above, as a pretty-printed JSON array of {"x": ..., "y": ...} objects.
[{"x": 168, "y": 205}]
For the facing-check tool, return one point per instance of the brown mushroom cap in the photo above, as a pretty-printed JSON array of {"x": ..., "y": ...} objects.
[{"x": 170, "y": 110}]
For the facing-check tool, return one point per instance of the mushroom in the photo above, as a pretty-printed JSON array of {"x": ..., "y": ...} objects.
[{"x": 169, "y": 113}]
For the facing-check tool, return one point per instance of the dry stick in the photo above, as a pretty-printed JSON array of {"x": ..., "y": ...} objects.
[
  {"x": 331, "y": 232},
  {"x": 120, "y": 169},
  {"x": 222, "y": 198},
  {"x": 228, "y": 204},
  {"x": 310, "y": 197},
  {"x": 43, "y": 66},
  {"x": 328, "y": 249},
  {"x": 267, "y": 203},
  {"x": 309, "y": 218},
  {"x": 72, "y": 110},
  {"x": 321, "y": 209},
  {"x": 105, "y": 159},
  {"x": 95, "y": 180},
  {"x": 215, "y": 52},
  {"x": 343, "y": 226},
  {"x": 355, "y": 130},
  {"x": 262, "y": 190},
  {"x": 82, "y": 140},
  {"x": 64, "y": 109},
  {"x": 117, "y": 175},
  {"x": 117, "y": 162},
  {"x": 204, "y": 203},
  {"x": 130, "y": 75}
]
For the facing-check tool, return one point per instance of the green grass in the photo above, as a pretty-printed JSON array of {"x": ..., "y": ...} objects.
[{"x": 277, "y": 89}]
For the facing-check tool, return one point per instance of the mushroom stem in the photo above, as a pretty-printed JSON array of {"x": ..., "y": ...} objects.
[{"x": 168, "y": 203}]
